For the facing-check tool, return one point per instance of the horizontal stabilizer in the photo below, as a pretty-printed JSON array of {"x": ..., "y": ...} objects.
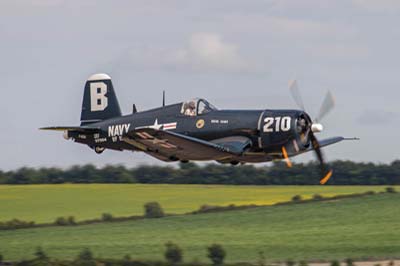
[
  {"x": 76, "y": 129},
  {"x": 329, "y": 141}
]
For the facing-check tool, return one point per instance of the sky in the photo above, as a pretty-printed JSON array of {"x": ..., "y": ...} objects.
[{"x": 236, "y": 54}]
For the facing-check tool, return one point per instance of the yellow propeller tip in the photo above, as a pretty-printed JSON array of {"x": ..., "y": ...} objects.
[
  {"x": 285, "y": 155},
  {"x": 326, "y": 178}
]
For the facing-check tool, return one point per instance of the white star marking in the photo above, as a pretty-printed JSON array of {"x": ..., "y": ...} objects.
[{"x": 156, "y": 125}]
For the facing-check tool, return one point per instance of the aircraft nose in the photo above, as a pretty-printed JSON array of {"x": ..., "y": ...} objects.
[{"x": 317, "y": 127}]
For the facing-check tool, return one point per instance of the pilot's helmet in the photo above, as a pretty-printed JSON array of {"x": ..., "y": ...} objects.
[{"x": 192, "y": 105}]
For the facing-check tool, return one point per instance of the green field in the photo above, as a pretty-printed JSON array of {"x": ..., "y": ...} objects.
[
  {"x": 43, "y": 203},
  {"x": 361, "y": 227}
]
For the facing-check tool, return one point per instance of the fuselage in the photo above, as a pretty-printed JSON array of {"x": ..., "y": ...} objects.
[
  {"x": 195, "y": 130},
  {"x": 210, "y": 126}
]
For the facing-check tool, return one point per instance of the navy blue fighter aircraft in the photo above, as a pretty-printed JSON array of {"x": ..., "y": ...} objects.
[{"x": 195, "y": 130}]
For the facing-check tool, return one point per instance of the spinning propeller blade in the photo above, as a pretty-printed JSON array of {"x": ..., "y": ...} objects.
[
  {"x": 326, "y": 178},
  {"x": 294, "y": 89},
  {"x": 325, "y": 172},
  {"x": 327, "y": 106},
  {"x": 286, "y": 156}
]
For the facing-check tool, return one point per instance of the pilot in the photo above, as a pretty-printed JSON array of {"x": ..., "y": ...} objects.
[
  {"x": 190, "y": 109},
  {"x": 301, "y": 125}
]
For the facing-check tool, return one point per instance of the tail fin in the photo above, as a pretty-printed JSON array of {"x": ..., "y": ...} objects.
[{"x": 99, "y": 100}]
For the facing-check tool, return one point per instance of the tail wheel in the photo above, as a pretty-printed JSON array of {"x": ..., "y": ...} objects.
[{"x": 99, "y": 149}]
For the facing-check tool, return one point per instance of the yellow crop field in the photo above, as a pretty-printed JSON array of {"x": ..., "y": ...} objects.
[{"x": 43, "y": 203}]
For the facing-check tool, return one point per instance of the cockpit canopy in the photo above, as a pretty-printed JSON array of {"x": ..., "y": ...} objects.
[{"x": 196, "y": 107}]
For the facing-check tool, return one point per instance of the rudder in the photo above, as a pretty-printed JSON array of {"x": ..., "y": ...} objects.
[{"x": 99, "y": 100}]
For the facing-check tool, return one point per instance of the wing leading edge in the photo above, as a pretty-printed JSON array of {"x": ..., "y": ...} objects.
[{"x": 178, "y": 146}]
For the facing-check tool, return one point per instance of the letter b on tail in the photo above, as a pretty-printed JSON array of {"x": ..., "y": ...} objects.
[{"x": 99, "y": 100}]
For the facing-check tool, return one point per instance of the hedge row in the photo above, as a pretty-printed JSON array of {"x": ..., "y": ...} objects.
[
  {"x": 345, "y": 173},
  {"x": 154, "y": 210}
]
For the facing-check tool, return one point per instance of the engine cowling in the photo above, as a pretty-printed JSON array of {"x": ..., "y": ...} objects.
[{"x": 284, "y": 128}]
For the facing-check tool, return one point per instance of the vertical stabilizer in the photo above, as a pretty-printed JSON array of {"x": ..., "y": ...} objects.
[{"x": 99, "y": 100}]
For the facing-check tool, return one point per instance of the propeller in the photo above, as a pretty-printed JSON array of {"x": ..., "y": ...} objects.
[
  {"x": 327, "y": 105},
  {"x": 315, "y": 127},
  {"x": 294, "y": 89},
  {"x": 325, "y": 171},
  {"x": 286, "y": 156}
]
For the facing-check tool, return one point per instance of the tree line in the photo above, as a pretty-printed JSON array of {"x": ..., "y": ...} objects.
[
  {"x": 173, "y": 255},
  {"x": 345, "y": 173}
]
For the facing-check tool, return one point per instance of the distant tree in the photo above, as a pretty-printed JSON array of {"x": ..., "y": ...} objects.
[
  {"x": 349, "y": 262},
  {"x": 261, "y": 259},
  {"x": 390, "y": 190},
  {"x": 335, "y": 263},
  {"x": 296, "y": 198},
  {"x": 303, "y": 263},
  {"x": 153, "y": 210},
  {"x": 61, "y": 221},
  {"x": 216, "y": 254},
  {"x": 317, "y": 197},
  {"x": 106, "y": 217},
  {"x": 41, "y": 255},
  {"x": 85, "y": 258},
  {"x": 126, "y": 261},
  {"x": 116, "y": 174},
  {"x": 173, "y": 253},
  {"x": 188, "y": 166},
  {"x": 1, "y": 258},
  {"x": 16, "y": 224},
  {"x": 290, "y": 262},
  {"x": 71, "y": 220}
]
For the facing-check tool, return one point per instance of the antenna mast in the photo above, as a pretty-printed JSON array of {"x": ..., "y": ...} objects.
[{"x": 163, "y": 98}]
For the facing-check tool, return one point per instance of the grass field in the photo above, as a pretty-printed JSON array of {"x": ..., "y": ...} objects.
[
  {"x": 43, "y": 203},
  {"x": 355, "y": 227}
]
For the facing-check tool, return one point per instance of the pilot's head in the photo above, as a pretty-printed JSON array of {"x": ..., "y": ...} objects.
[{"x": 192, "y": 105}]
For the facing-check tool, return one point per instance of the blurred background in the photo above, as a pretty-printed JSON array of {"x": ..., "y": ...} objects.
[{"x": 235, "y": 54}]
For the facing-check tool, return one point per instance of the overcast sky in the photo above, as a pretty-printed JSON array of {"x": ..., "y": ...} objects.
[{"x": 237, "y": 54}]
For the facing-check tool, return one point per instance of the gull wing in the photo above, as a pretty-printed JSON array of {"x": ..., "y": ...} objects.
[{"x": 178, "y": 146}]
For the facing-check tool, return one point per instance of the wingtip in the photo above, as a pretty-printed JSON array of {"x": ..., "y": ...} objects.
[{"x": 355, "y": 138}]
